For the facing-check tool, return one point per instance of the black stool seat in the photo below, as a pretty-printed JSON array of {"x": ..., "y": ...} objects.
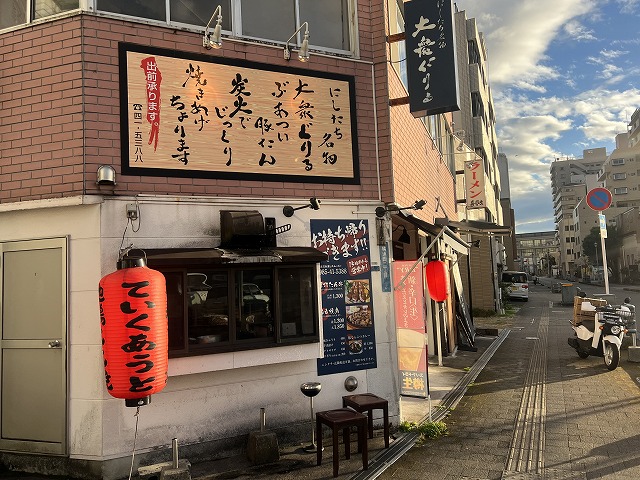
[
  {"x": 342, "y": 419},
  {"x": 367, "y": 402}
]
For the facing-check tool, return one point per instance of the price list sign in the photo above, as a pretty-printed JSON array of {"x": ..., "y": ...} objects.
[{"x": 347, "y": 307}]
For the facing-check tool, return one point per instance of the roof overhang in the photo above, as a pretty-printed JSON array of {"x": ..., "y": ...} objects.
[
  {"x": 226, "y": 256},
  {"x": 449, "y": 237},
  {"x": 474, "y": 226}
]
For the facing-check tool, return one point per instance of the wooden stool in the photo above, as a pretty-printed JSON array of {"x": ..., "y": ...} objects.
[
  {"x": 342, "y": 419},
  {"x": 366, "y": 402}
]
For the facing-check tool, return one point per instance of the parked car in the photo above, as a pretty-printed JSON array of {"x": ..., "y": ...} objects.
[
  {"x": 251, "y": 291},
  {"x": 517, "y": 285}
]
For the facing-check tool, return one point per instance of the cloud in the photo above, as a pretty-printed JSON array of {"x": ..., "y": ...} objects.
[
  {"x": 628, "y": 6},
  {"x": 521, "y": 33},
  {"x": 578, "y": 32},
  {"x": 563, "y": 80}
]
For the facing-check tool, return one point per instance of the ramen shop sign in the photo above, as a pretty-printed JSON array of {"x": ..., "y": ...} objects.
[{"x": 199, "y": 116}]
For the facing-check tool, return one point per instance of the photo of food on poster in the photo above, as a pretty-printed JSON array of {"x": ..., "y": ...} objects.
[{"x": 347, "y": 306}]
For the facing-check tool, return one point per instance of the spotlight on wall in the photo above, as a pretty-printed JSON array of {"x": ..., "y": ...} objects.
[
  {"x": 303, "y": 53},
  {"x": 460, "y": 134},
  {"x": 392, "y": 207},
  {"x": 314, "y": 204},
  {"x": 404, "y": 236},
  {"x": 213, "y": 40},
  {"x": 475, "y": 243},
  {"x": 106, "y": 175}
]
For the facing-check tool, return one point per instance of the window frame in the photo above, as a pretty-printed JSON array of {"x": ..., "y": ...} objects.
[
  {"x": 91, "y": 6},
  {"x": 233, "y": 344},
  {"x": 237, "y": 31},
  {"x": 30, "y": 12}
]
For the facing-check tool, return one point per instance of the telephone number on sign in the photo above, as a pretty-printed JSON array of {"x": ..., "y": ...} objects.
[{"x": 333, "y": 271}]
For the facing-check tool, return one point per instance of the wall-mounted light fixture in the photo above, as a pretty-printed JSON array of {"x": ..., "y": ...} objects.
[
  {"x": 460, "y": 134},
  {"x": 303, "y": 53},
  {"x": 288, "y": 210},
  {"x": 213, "y": 40},
  {"x": 106, "y": 175},
  {"x": 404, "y": 236},
  {"x": 392, "y": 207}
]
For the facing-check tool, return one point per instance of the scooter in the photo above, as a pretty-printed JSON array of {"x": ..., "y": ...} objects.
[{"x": 603, "y": 336}]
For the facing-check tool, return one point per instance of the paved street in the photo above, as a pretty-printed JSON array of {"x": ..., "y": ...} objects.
[{"x": 538, "y": 411}]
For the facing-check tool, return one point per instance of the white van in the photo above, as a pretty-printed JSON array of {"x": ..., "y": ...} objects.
[{"x": 517, "y": 285}]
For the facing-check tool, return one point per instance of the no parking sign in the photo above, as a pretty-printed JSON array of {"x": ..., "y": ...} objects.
[{"x": 599, "y": 199}]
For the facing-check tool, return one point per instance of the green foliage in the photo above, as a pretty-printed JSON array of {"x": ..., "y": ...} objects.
[
  {"x": 592, "y": 241},
  {"x": 427, "y": 430},
  {"x": 480, "y": 312}
]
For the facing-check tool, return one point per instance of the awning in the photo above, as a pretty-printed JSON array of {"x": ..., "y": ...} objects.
[
  {"x": 449, "y": 237},
  {"x": 474, "y": 226},
  {"x": 223, "y": 256}
]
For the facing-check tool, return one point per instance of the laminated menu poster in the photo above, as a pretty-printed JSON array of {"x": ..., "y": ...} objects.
[{"x": 347, "y": 306}]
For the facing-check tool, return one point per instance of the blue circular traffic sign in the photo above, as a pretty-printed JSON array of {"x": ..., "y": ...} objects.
[{"x": 599, "y": 199}]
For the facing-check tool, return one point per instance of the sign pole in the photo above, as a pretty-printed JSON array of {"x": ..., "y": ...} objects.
[
  {"x": 599, "y": 199},
  {"x": 605, "y": 270}
]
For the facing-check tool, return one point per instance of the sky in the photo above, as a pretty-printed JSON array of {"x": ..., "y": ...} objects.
[{"x": 565, "y": 77}]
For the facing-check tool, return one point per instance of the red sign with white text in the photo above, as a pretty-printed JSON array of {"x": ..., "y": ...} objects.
[{"x": 410, "y": 329}]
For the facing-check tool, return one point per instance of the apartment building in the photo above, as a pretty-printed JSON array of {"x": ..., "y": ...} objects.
[
  {"x": 620, "y": 173},
  {"x": 634, "y": 129},
  {"x": 475, "y": 122},
  {"x": 569, "y": 182}
]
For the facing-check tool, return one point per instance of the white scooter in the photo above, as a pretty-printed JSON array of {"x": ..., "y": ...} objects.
[{"x": 603, "y": 335}]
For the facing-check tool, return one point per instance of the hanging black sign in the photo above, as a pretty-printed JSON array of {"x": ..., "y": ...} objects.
[{"x": 431, "y": 57}]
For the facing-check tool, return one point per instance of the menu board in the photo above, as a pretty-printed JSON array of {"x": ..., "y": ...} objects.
[
  {"x": 410, "y": 324},
  {"x": 347, "y": 306}
]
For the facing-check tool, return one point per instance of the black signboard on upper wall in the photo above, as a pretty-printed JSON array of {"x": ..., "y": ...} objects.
[{"x": 431, "y": 57}]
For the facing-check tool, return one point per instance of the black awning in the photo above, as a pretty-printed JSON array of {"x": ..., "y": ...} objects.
[
  {"x": 449, "y": 237},
  {"x": 226, "y": 256},
  {"x": 475, "y": 226}
]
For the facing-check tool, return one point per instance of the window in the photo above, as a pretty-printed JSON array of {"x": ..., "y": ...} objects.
[
  {"x": 228, "y": 309},
  {"x": 397, "y": 49},
  {"x": 194, "y": 12},
  {"x": 617, "y": 161},
  {"x": 18, "y": 12},
  {"x": 276, "y": 20},
  {"x": 620, "y": 191},
  {"x": 619, "y": 176}
]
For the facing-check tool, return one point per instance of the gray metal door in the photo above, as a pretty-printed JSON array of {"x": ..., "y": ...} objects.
[{"x": 33, "y": 317}]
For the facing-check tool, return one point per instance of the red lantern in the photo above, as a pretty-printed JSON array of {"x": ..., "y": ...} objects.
[
  {"x": 135, "y": 340},
  {"x": 437, "y": 280}
]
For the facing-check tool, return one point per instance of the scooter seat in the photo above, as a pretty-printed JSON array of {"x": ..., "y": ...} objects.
[{"x": 588, "y": 324}]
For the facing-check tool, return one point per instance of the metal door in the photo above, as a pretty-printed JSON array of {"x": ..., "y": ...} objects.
[{"x": 33, "y": 314}]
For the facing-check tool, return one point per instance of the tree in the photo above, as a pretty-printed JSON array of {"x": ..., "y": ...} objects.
[{"x": 613, "y": 242}]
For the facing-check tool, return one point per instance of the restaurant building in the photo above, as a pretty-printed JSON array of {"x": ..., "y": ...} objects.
[{"x": 247, "y": 168}]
